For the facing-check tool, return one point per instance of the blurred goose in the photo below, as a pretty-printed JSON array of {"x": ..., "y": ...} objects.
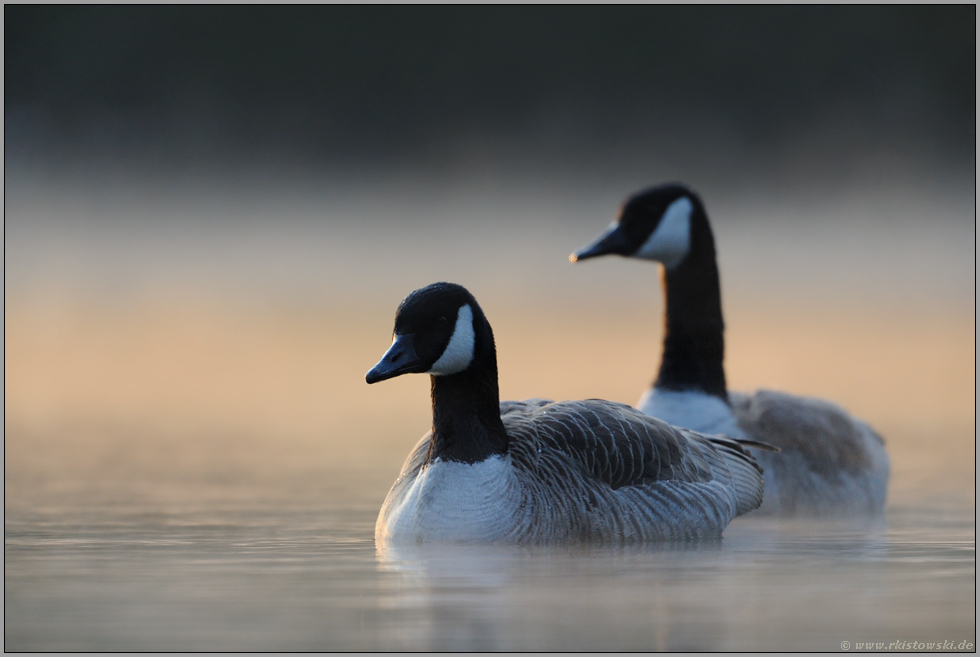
[
  {"x": 829, "y": 462},
  {"x": 539, "y": 471}
]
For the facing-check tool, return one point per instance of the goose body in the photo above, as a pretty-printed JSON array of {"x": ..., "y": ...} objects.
[
  {"x": 538, "y": 471},
  {"x": 829, "y": 462}
]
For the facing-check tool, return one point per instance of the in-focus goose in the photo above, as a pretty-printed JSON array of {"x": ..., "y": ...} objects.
[
  {"x": 829, "y": 462},
  {"x": 539, "y": 471}
]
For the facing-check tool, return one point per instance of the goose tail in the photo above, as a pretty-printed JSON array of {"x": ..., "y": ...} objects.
[{"x": 745, "y": 471}]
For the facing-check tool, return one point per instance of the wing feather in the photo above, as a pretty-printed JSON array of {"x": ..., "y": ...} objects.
[{"x": 615, "y": 444}]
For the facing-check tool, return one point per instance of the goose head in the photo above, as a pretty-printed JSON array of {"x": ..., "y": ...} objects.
[
  {"x": 439, "y": 330},
  {"x": 668, "y": 224},
  {"x": 655, "y": 224}
]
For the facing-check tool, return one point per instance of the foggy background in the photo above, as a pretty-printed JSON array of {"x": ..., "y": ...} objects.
[{"x": 211, "y": 214}]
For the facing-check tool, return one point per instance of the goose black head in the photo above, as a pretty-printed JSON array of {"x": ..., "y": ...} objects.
[
  {"x": 654, "y": 224},
  {"x": 437, "y": 331}
]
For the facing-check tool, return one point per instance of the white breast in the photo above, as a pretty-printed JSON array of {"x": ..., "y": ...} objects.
[
  {"x": 692, "y": 410},
  {"x": 450, "y": 501}
]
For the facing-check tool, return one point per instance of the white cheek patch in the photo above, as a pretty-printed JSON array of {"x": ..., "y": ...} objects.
[
  {"x": 671, "y": 241},
  {"x": 459, "y": 352}
]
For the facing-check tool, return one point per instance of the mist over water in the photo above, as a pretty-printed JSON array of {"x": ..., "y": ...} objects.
[{"x": 195, "y": 288}]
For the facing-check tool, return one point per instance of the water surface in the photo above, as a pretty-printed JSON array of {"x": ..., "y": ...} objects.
[{"x": 305, "y": 575}]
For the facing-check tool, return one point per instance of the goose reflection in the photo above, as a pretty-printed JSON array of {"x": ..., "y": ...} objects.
[{"x": 469, "y": 597}]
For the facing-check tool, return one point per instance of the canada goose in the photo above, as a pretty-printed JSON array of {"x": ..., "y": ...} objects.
[
  {"x": 539, "y": 471},
  {"x": 829, "y": 462}
]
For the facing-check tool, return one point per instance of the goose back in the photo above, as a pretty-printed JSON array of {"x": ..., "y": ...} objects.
[{"x": 829, "y": 462}]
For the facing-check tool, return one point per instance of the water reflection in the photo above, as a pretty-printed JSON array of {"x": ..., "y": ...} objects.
[
  {"x": 508, "y": 597},
  {"x": 767, "y": 584}
]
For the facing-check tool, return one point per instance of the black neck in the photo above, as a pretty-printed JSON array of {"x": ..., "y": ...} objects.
[
  {"x": 466, "y": 424},
  {"x": 694, "y": 341}
]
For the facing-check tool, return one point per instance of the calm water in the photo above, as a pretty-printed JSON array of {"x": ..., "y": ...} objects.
[{"x": 289, "y": 574}]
